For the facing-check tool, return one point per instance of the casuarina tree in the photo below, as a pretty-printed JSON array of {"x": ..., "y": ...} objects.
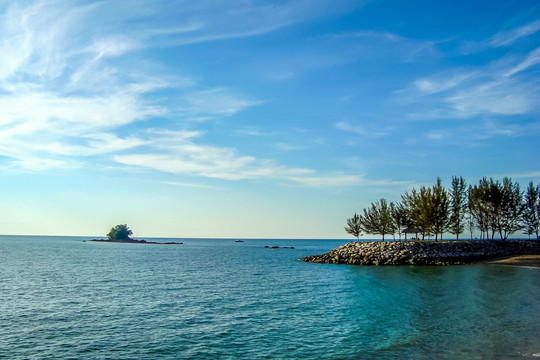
[
  {"x": 531, "y": 212},
  {"x": 353, "y": 226},
  {"x": 458, "y": 205}
]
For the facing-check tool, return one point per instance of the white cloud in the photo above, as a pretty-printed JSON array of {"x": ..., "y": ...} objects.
[
  {"x": 533, "y": 58},
  {"x": 439, "y": 84},
  {"x": 506, "y": 38},
  {"x": 328, "y": 181},
  {"x": 177, "y": 153},
  {"x": 476, "y": 132},
  {"x": 238, "y": 19},
  {"x": 466, "y": 93},
  {"x": 217, "y": 102},
  {"x": 66, "y": 93},
  {"x": 503, "y": 39},
  {"x": 495, "y": 97},
  {"x": 369, "y": 130}
]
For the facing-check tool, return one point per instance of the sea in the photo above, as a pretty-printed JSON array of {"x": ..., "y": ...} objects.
[{"x": 67, "y": 298}]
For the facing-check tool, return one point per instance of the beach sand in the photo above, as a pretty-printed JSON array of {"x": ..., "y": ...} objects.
[{"x": 523, "y": 260}]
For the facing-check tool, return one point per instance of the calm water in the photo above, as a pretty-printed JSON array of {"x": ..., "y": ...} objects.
[{"x": 217, "y": 299}]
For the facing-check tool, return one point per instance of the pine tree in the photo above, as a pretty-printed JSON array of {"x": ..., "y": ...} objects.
[
  {"x": 421, "y": 210},
  {"x": 354, "y": 227},
  {"x": 531, "y": 211},
  {"x": 440, "y": 209},
  {"x": 399, "y": 216},
  {"x": 458, "y": 205},
  {"x": 377, "y": 219}
]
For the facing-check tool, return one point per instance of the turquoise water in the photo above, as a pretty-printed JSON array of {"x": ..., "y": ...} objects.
[{"x": 61, "y": 297}]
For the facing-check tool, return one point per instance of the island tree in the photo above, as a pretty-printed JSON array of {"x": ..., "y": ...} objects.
[
  {"x": 120, "y": 233},
  {"x": 354, "y": 227}
]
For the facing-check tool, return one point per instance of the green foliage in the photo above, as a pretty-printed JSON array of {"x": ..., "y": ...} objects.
[
  {"x": 120, "y": 233},
  {"x": 440, "y": 211},
  {"x": 421, "y": 210},
  {"x": 399, "y": 216},
  {"x": 496, "y": 207},
  {"x": 480, "y": 206},
  {"x": 458, "y": 206},
  {"x": 493, "y": 207},
  {"x": 531, "y": 211},
  {"x": 353, "y": 226},
  {"x": 511, "y": 208},
  {"x": 377, "y": 219}
]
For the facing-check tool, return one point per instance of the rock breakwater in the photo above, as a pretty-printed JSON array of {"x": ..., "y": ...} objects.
[{"x": 424, "y": 253}]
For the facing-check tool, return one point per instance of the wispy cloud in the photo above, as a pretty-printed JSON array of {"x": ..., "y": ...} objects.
[
  {"x": 63, "y": 100},
  {"x": 382, "y": 44},
  {"x": 532, "y": 59},
  {"x": 189, "y": 185},
  {"x": 237, "y": 19},
  {"x": 477, "y": 132},
  {"x": 217, "y": 102},
  {"x": 501, "y": 39},
  {"x": 506, "y": 38},
  {"x": 365, "y": 130},
  {"x": 493, "y": 89},
  {"x": 178, "y": 153}
]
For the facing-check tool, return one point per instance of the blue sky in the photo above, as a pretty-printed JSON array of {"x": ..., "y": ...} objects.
[{"x": 255, "y": 118}]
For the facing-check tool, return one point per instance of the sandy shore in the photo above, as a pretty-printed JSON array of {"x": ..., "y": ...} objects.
[{"x": 523, "y": 260}]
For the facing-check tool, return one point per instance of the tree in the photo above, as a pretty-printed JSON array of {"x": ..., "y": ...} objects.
[
  {"x": 481, "y": 206},
  {"x": 421, "y": 210},
  {"x": 458, "y": 206},
  {"x": 470, "y": 217},
  {"x": 399, "y": 216},
  {"x": 497, "y": 207},
  {"x": 353, "y": 226},
  {"x": 531, "y": 211},
  {"x": 440, "y": 209},
  {"x": 511, "y": 208},
  {"x": 120, "y": 233},
  {"x": 377, "y": 219}
]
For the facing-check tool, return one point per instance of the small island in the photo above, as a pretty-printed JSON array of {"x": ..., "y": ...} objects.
[{"x": 122, "y": 234}]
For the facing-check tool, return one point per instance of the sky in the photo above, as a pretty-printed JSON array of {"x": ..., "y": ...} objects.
[{"x": 248, "y": 118}]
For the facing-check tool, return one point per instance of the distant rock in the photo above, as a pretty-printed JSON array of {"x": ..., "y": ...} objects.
[
  {"x": 424, "y": 253},
  {"x": 279, "y": 247}
]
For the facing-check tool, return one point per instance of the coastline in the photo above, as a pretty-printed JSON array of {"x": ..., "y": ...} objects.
[
  {"x": 521, "y": 260},
  {"x": 427, "y": 252}
]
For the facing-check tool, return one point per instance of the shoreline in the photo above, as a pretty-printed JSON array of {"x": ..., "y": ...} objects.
[
  {"x": 429, "y": 252},
  {"x": 531, "y": 261}
]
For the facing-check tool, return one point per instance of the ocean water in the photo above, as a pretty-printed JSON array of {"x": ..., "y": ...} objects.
[{"x": 63, "y": 298}]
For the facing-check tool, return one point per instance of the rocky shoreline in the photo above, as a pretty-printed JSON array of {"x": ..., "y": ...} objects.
[{"x": 424, "y": 252}]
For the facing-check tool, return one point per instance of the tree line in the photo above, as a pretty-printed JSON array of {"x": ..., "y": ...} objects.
[{"x": 494, "y": 208}]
